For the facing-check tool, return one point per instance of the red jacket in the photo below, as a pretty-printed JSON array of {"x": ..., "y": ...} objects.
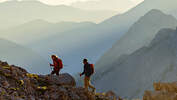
[{"x": 57, "y": 64}]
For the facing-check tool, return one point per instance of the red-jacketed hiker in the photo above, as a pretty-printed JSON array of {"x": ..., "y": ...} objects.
[{"x": 57, "y": 65}]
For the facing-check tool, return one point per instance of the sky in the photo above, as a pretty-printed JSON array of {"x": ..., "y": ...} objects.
[
  {"x": 55, "y": 2},
  {"x": 116, "y": 5},
  {"x": 68, "y": 2}
]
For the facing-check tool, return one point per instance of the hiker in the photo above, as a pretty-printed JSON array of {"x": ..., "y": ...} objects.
[
  {"x": 88, "y": 71},
  {"x": 57, "y": 65}
]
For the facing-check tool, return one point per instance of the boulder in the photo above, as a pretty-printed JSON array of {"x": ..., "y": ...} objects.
[
  {"x": 4, "y": 63},
  {"x": 62, "y": 79}
]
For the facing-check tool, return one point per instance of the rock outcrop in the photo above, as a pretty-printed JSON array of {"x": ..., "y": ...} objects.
[
  {"x": 163, "y": 91},
  {"x": 17, "y": 84}
]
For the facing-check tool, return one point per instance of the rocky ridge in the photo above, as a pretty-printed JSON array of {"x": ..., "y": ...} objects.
[{"x": 17, "y": 84}]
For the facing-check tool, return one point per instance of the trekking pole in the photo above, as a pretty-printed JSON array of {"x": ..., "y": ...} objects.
[{"x": 50, "y": 68}]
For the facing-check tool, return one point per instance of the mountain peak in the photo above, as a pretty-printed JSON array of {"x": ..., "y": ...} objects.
[{"x": 155, "y": 12}]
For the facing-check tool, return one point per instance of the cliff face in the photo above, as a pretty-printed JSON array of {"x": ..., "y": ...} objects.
[{"x": 17, "y": 84}]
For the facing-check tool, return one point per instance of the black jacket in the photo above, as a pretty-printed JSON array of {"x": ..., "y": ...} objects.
[{"x": 87, "y": 70}]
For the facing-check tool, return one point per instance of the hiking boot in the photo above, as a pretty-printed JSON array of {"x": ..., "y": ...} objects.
[{"x": 94, "y": 90}]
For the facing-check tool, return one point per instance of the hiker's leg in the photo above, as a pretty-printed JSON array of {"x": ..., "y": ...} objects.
[
  {"x": 53, "y": 72},
  {"x": 86, "y": 82},
  {"x": 90, "y": 85},
  {"x": 57, "y": 72}
]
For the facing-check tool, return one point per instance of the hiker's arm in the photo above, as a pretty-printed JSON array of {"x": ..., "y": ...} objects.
[
  {"x": 51, "y": 65},
  {"x": 83, "y": 71}
]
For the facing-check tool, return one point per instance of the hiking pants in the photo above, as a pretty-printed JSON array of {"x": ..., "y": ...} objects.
[
  {"x": 55, "y": 72},
  {"x": 87, "y": 83}
]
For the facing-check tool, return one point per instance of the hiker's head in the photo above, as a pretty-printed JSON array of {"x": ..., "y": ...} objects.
[
  {"x": 54, "y": 57},
  {"x": 85, "y": 61}
]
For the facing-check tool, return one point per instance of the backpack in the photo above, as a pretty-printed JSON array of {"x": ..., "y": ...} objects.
[
  {"x": 59, "y": 61},
  {"x": 92, "y": 68}
]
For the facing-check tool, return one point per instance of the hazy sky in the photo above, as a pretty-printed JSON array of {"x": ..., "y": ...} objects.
[
  {"x": 54, "y": 2},
  {"x": 67, "y": 2},
  {"x": 118, "y": 5}
]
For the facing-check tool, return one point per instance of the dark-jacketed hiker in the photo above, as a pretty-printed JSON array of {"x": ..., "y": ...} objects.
[
  {"x": 57, "y": 65},
  {"x": 88, "y": 71}
]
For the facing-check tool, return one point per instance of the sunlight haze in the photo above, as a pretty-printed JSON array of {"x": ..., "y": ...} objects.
[{"x": 116, "y": 5}]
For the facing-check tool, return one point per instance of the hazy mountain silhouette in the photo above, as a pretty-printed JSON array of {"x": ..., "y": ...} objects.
[
  {"x": 72, "y": 41},
  {"x": 18, "y": 12},
  {"x": 22, "y": 56},
  {"x": 140, "y": 34},
  {"x": 173, "y": 12},
  {"x": 91, "y": 40},
  {"x": 120, "y": 23},
  {"x": 131, "y": 75},
  {"x": 38, "y": 30}
]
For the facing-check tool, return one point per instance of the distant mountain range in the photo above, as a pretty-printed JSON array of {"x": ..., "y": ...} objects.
[
  {"x": 78, "y": 40},
  {"x": 18, "y": 12},
  {"x": 141, "y": 49},
  {"x": 130, "y": 75},
  {"x": 36, "y": 30},
  {"x": 122, "y": 22},
  {"x": 140, "y": 34},
  {"x": 71, "y": 41},
  {"x": 18, "y": 55},
  {"x": 131, "y": 22}
]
